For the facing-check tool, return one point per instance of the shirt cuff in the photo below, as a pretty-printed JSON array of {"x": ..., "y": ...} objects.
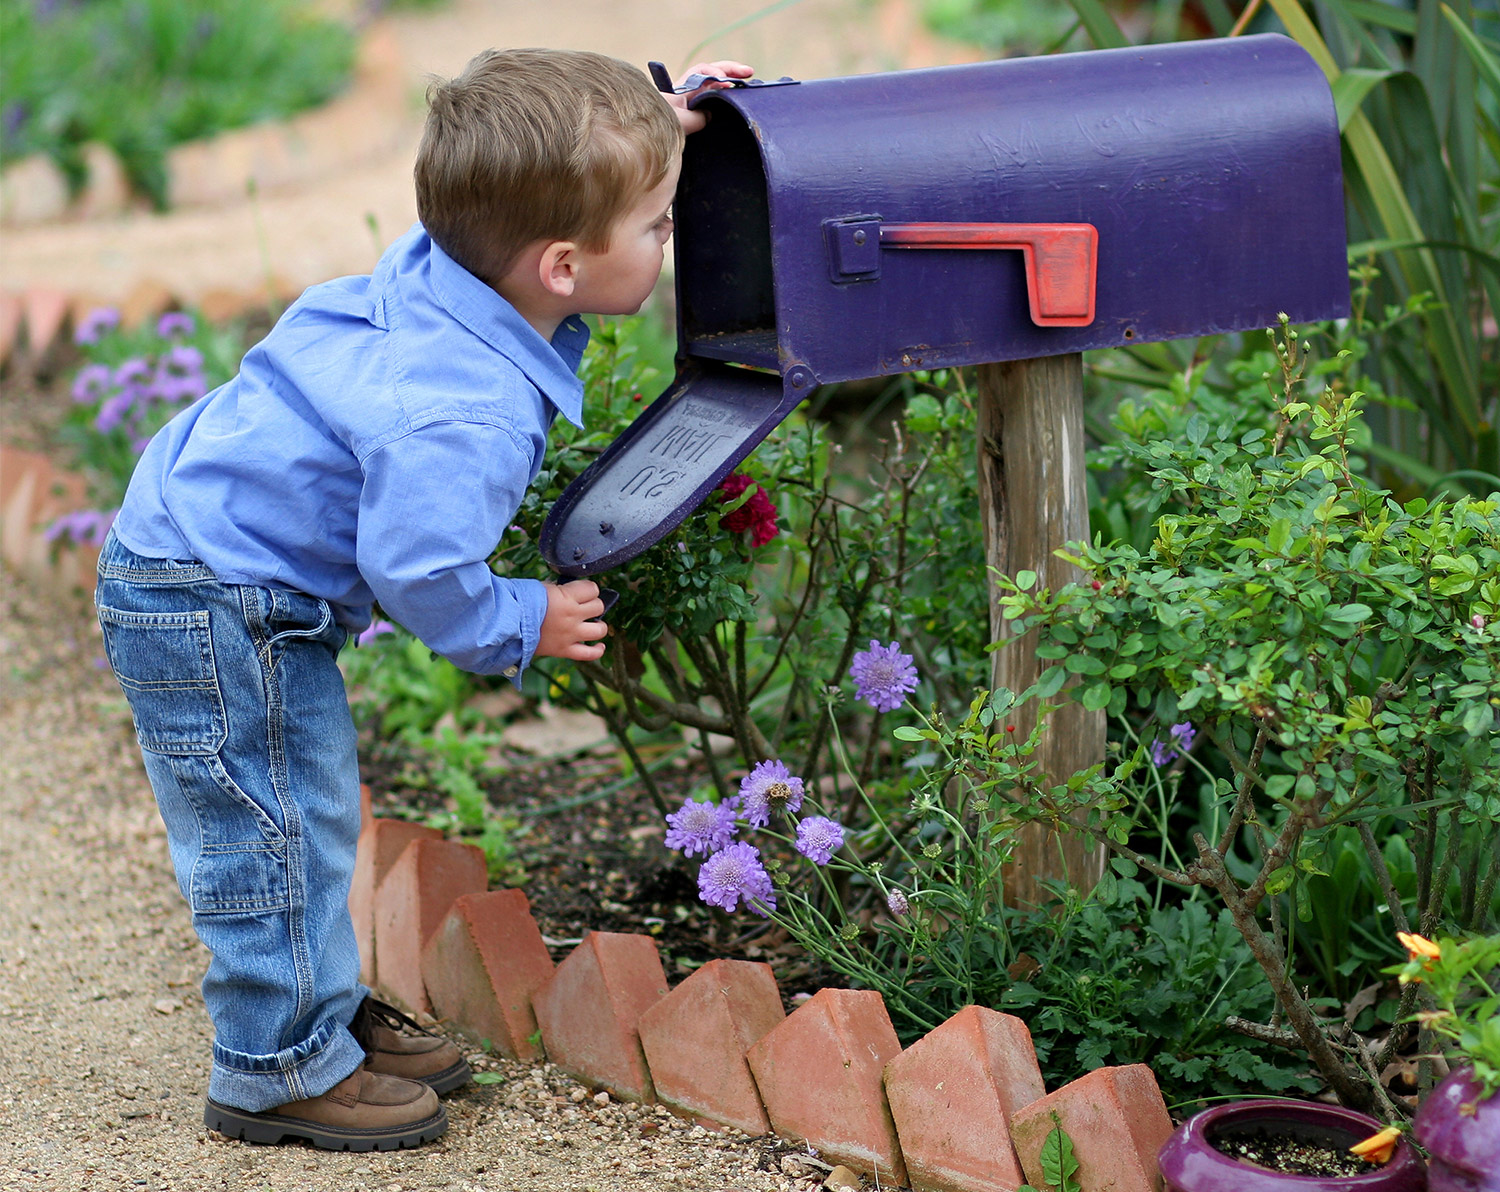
[{"x": 531, "y": 595}]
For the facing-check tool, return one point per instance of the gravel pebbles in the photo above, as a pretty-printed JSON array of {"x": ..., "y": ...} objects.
[{"x": 104, "y": 1043}]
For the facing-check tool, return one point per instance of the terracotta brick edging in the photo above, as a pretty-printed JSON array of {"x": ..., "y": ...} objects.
[{"x": 963, "y": 1109}]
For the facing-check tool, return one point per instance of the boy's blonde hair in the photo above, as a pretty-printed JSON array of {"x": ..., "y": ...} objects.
[{"x": 529, "y": 145}]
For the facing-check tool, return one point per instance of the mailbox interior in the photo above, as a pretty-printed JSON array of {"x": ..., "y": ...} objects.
[{"x": 725, "y": 284}]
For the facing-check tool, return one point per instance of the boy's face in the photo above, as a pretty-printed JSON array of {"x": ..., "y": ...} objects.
[{"x": 618, "y": 280}]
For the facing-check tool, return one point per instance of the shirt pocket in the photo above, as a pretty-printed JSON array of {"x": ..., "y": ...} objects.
[{"x": 165, "y": 665}]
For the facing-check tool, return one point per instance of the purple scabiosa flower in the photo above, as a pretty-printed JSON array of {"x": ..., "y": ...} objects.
[
  {"x": 700, "y": 827},
  {"x": 1179, "y": 741},
  {"x": 87, "y": 526},
  {"x": 135, "y": 371},
  {"x": 819, "y": 837},
  {"x": 896, "y": 903},
  {"x": 768, "y": 788},
  {"x": 376, "y": 629},
  {"x": 883, "y": 676},
  {"x": 734, "y": 873},
  {"x": 96, "y": 324},
  {"x": 113, "y": 411},
  {"x": 91, "y": 383},
  {"x": 174, "y": 324}
]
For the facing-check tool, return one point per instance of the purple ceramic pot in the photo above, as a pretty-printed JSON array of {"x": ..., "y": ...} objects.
[
  {"x": 1189, "y": 1161},
  {"x": 1463, "y": 1147}
]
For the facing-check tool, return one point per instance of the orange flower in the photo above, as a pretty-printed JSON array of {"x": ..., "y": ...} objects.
[
  {"x": 1418, "y": 947},
  {"x": 1379, "y": 1148}
]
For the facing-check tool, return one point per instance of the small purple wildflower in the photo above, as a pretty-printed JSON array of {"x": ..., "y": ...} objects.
[
  {"x": 91, "y": 383},
  {"x": 175, "y": 323},
  {"x": 183, "y": 359},
  {"x": 700, "y": 827},
  {"x": 376, "y": 629},
  {"x": 1477, "y": 620},
  {"x": 883, "y": 676},
  {"x": 819, "y": 837},
  {"x": 734, "y": 873},
  {"x": 1181, "y": 737},
  {"x": 96, "y": 324},
  {"x": 896, "y": 903},
  {"x": 134, "y": 371},
  {"x": 768, "y": 788},
  {"x": 14, "y": 118},
  {"x": 113, "y": 411},
  {"x": 85, "y": 526}
]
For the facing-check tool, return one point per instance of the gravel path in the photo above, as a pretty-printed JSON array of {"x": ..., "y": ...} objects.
[{"x": 104, "y": 1043}]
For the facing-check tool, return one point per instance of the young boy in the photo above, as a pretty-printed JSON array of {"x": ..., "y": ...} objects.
[{"x": 373, "y": 447}]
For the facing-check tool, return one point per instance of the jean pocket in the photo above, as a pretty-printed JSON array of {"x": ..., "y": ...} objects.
[
  {"x": 238, "y": 879},
  {"x": 165, "y": 665}
]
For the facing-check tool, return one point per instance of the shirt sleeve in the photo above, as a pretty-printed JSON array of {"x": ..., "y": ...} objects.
[{"x": 433, "y": 505}]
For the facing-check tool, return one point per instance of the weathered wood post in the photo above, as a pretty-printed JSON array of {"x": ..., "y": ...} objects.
[{"x": 1032, "y": 499}]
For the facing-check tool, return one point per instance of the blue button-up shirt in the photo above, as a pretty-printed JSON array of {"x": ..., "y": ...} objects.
[{"x": 375, "y": 446}]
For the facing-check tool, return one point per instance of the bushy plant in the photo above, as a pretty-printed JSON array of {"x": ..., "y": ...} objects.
[
  {"x": 130, "y": 384},
  {"x": 144, "y": 75},
  {"x": 1310, "y": 658},
  {"x": 1339, "y": 653},
  {"x": 722, "y": 634}
]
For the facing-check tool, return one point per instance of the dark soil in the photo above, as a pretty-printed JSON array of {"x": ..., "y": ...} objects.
[{"x": 1289, "y": 1154}]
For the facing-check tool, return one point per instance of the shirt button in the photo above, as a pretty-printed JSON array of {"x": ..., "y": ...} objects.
[{"x": 510, "y": 672}]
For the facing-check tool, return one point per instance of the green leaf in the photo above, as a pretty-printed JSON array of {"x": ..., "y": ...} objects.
[
  {"x": 1059, "y": 1166},
  {"x": 1479, "y": 718},
  {"x": 1350, "y": 89},
  {"x": 1102, "y": 30},
  {"x": 1351, "y": 613},
  {"x": 1026, "y": 580},
  {"x": 1096, "y": 696},
  {"x": 488, "y": 1078}
]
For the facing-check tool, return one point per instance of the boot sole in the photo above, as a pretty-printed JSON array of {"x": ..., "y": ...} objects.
[
  {"x": 271, "y": 1128},
  {"x": 448, "y": 1079}
]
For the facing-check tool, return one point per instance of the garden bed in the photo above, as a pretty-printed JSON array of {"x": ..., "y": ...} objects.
[{"x": 599, "y": 864}]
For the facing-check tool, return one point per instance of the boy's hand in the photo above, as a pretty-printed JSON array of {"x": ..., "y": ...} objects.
[
  {"x": 693, "y": 121},
  {"x": 572, "y": 626}
]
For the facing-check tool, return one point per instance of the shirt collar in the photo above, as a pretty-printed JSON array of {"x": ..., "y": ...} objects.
[{"x": 551, "y": 367}]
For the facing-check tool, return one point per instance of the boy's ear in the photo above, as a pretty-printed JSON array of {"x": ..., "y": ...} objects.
[{"x": 557, "y": 268}]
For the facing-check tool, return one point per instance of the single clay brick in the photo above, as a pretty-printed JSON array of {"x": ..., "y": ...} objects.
[
  {"x": 10, "y": 325},
  {"x": 1116, "y": 1120},
  {"x": 819, "y": 1075},
  {"x": 46, "y": 316},
  {"x": 696, "y": 1037},
  {"x": 381, "y": 841},
  {"x": 410, "y": 902},
  {"x": 589, "y": 1012},
  {"x": 482, "y": 966},
  {"x": 952, "y": 1094}
]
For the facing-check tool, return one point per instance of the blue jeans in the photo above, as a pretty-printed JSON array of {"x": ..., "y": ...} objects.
[{"x": 244, "y": 725}]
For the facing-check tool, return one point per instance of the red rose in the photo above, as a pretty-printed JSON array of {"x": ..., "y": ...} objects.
[{"x": 758, "y": 514}]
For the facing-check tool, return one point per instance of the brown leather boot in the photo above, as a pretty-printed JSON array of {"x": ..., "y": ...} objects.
[
  {"x": 364, "y": 1112},
  {"x": 437, "y": 1063}
]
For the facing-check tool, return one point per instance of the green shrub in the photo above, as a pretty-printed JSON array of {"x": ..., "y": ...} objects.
[{"x": 144, "y": 75}]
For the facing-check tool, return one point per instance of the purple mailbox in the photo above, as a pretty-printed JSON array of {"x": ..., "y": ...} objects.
[{"x": 856, "y": 227}]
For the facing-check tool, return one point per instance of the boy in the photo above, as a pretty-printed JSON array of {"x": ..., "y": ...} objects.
[{"x": 373, "y": 447}]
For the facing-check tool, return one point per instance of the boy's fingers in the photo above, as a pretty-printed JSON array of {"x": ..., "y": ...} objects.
[{"x": 735, "y": 70}]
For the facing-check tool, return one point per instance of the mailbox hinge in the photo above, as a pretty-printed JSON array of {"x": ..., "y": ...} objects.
[{"x": 1061, "y": 259}]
